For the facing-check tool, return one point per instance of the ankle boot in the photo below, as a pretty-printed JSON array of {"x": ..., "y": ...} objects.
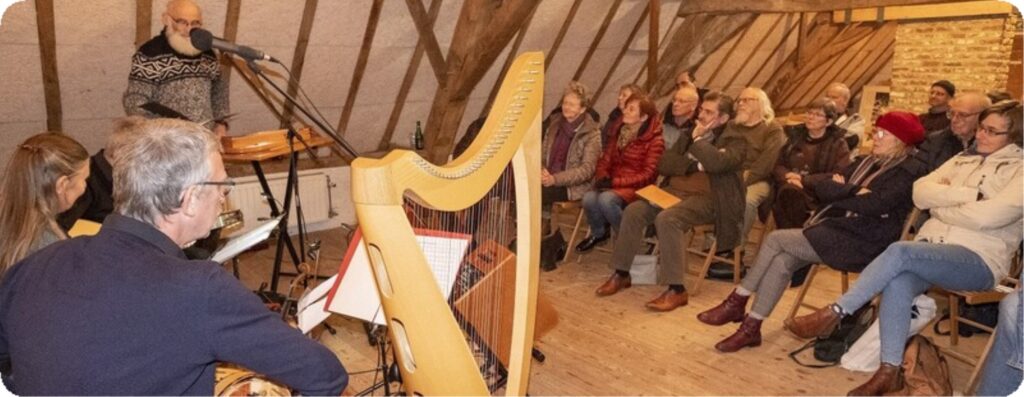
[
  {"x": 749, "y": 334},
  {"x": 730, "y": 310},
  {"x": 820, "y": 323},
  {"x": 887, "y": 379}
]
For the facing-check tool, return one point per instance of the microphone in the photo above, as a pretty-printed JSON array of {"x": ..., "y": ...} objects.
[{"x": 203, "y": 40}]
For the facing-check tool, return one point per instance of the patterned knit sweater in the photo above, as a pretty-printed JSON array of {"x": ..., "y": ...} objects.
[{"x": 191, "y": 86}]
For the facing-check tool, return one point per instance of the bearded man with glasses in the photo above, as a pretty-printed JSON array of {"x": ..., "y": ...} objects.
[{"x": 168, "y": 71}]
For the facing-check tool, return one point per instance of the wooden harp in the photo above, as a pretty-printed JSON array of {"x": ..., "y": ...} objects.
[{"x": 435, "y": 351}]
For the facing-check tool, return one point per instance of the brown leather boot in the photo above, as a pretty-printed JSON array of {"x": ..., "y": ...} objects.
[
  {"x": 668, "y": 301},
  {"x": 820, "y": 323},
  {"x": 614, "y": 284},
  {"x": 887, "y": 379},
  {"x": 729, "y": 311},
  {"x": 749, "y": 334}
]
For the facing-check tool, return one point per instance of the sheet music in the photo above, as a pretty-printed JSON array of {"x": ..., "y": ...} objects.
[
  {"x": 353, "y": 292},
  {"x": 246, "y": 240}
]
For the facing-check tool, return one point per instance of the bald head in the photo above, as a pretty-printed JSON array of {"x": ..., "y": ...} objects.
[
  {"x": 684, "y": 102},
  {"x": 963, "y": 114},
  {"x": 182, "y": 7},
  {"x": 840, "y": 94}
]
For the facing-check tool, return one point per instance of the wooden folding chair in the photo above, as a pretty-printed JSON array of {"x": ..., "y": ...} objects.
[
  {"x": 560, "y": 207},
  {"x": 908, "y": 232}
]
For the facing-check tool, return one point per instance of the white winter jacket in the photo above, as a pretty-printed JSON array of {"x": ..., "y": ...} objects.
[{"x": 975, "y": 202}]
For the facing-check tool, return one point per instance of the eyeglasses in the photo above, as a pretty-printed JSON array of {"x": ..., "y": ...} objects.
[
  {"x": 184, "y": 23},
  {"x": 953, "y": 115},
  {"x": 880, "y": 133},
  {"x": 991, "y": 132},
  {"x": 745, "y": 100},
  {"x": 225, "y": 186}
]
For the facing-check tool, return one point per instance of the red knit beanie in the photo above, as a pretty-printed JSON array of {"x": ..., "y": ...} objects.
[{"x": 903, "y": 125}]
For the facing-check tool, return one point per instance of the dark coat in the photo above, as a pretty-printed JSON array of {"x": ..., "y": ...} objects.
[
  {"x": 851, "y": 242},
  {"x": 636, "y": 165},
  {"x": 938, "y": 147},
  {"x": 98, "y": 200},
  {"x": 722, "y": 158}
]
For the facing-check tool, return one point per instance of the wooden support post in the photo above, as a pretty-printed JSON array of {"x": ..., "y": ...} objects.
[
  {"x": 622, "y": 53},
  {"x": 299, "y": 58},
  {"x": 230, "y": 34},
  {"x": 357, "y": 75},
  {"x": 48, "y": 61},
  {"x": 652, "y": 45},
  {"x": 483, "y": 30},
  {"x": 410, "y": 76},
  {"x": 426, "y": 29},
  {"x": 561, "y": 33},
  {"x": 143, "y": 21}
]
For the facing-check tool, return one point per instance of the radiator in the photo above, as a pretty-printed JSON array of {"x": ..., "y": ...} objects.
[{"x": 314, "y": 190}]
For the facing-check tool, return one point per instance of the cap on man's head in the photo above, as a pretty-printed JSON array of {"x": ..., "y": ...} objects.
[{"x": 946, "y": 86}]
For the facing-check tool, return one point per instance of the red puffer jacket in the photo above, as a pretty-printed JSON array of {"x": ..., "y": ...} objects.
[{"x": 636, "y": 165}]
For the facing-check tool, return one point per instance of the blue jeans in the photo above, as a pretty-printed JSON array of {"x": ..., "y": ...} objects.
[
  {"x": 1001, "y": 373},
  {"x": 905, "y": 270},
  {"x": 602, "y": 207}
]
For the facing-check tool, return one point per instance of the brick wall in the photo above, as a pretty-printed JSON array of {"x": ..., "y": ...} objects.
[{"x": 973, "y": 53}]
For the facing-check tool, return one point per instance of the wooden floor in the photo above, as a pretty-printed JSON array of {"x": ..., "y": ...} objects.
[{"x": 614, "y": 346}]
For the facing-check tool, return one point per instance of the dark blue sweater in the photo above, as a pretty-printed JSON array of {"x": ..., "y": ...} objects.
[{"x": 124, "y": 313}]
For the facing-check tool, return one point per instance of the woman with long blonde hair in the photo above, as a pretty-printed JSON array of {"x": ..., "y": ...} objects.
[{"x": 44, "y": 177}]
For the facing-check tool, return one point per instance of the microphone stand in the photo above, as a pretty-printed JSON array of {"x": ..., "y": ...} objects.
[{"x": 293, "y": 179}]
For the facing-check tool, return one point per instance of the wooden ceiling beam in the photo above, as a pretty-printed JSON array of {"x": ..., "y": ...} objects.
[
  {"x": 143, "y": 21},
  {"x": 829, "y": 53},
  {"x": 299, "y": 58},
  {"x": 884, "y": 57},
  {"x": 512, "y": 53},
  {"x": 410, "y": 76},
  {"x": 48, "y": 62},
  {"x": 693, "y": 42},
  {"x": 561, "y": 33},
  {"x": 932, "y": 11},
  {"x": 757, "y": 48},
  {"x": 874, "y": 46},
  {"x": 230, "y": 34},
  {"x": 663, "y": 39},
  {"x": 482, "y": 31},
  {"x": 597, "y": 38},
  {"x": 785, "y": 6},
  {"x": 425, "y": 26},
  {"x": 728, "y": 55},
  {"x": 778, "y": 46},
  {"x": 652, "y": 42},
  {"x": 357, "y": 75},
  {"x": 820, "y": 35},
  {"x": 622, "y": 53}
]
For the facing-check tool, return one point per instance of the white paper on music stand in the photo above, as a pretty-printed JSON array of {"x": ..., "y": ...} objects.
[
  {"x": 243, "y": 242},
  {"x": 311, "y": 308},
  {"x": 357, "y": 294}
]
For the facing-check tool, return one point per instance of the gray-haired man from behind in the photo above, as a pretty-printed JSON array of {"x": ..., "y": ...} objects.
[{"x": 124, "y": 312}]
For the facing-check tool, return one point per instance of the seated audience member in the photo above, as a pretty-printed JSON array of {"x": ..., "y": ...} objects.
[
  {"x": 996, "y": 96},
  {"x": 865, "y": 207},
  {"x": 97, "y": 202},
  {"x": 569, "y": 152},
  {"x": 625, "y": 92},
  {"x": 1001, "y": 372},
  {"x": 687, "y": 77},
  {"x": 939, "y": 95},
  {"x": 816, "y": 146},
  {"x": 703, "y": 170},
  {"x": 940, "y": 145},
  {"x": 755, "y": 120},
  {"x": 629, "y": 162},
  {"x": 44, "y": 177},
  {"x": 681, "y": 115},
  {"x": 967, "y": 244},
  {"x": 846, "y": 118},
  {"x": 124, "y": 313}
]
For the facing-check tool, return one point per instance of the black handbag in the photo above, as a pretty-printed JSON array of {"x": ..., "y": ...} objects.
[
  {"x": 984, "y": 313},
  {"x": 830, "y": 349}
]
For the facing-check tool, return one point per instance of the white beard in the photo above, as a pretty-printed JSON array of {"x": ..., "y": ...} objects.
[{"x": 181, "y": 44}]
